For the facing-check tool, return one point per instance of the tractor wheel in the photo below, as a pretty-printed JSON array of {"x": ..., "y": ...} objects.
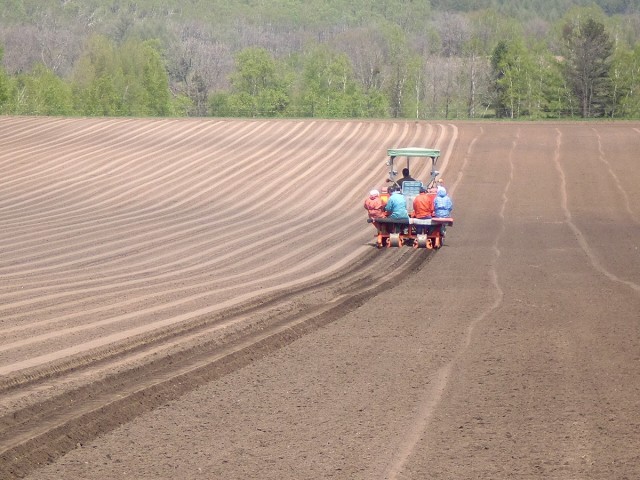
[{"x": 394, "y": 240}]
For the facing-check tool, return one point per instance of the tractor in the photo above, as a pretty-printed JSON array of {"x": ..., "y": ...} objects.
[{"x": 419, "y": 233}]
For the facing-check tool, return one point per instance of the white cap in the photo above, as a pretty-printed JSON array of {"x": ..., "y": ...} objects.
[{"x": 374, "y": 192}]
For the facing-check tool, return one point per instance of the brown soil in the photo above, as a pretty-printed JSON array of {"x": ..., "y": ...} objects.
[{"x": 203, "y": 299}]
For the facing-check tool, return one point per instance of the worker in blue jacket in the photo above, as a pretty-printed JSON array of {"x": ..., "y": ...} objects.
[
  {"x": 396, "y": 205},
  {"x": 442, "y": 203}
]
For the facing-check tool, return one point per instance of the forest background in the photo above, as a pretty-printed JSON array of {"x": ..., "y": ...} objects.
[{"x": 438, "y": 59}]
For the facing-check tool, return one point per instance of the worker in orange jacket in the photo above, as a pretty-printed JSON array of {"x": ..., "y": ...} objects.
[
  {"x": 374, "y": 206},
  {"x": 423, "y": 208}
]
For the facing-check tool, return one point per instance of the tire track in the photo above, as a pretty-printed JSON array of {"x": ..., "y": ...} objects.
[
  {"x": 625, "y": 196},
  {"x": 580, "y": 237}
]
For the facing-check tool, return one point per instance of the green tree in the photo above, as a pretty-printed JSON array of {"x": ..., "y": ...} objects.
[
  {"x": 155, "y": 81},
  {"x": 123, "y": 80},
  {"x": 219, "y": 105},
  {"x": 4, "y": 86},
  {"x": 95, "y": 79},
  {"x": 554, "y": 98},
  {"x": 588, "y": 54},
  {"x": 522, "y": 78},
  {"x": 625, "y": 79},
  {"x": 258, "y": 84},
  {"x": 328, "y": 88},
  {"x": 42, "y": 93}
]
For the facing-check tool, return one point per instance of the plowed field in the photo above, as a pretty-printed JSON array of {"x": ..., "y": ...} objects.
[{"x": 203, "y": 298}]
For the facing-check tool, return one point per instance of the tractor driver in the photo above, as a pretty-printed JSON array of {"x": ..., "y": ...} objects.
[{"x": 405, "y": 177}]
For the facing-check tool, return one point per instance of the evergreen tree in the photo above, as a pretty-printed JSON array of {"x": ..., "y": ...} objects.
[
  {"x": 499, "y": 65},
  {"x": 588, "y": 54}
]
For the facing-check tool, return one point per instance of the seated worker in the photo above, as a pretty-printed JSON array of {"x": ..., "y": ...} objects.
[
  {"x": 422, "y": 208},
  {"x": 405, "y": 176},
  {"x": 442, "y": 204},
  {"x": 373, "y": 205},
  {"x": 397, "y": 208}
]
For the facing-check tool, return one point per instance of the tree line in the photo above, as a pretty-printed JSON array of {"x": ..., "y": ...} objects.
[{"x": 388, "y": 59}]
